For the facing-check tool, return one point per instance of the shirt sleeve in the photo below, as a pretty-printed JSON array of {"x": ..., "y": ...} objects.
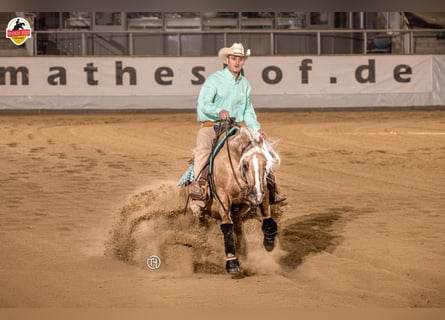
[
  {"x": 207, "y": 110},
  {"x": 249, "y": 114}
]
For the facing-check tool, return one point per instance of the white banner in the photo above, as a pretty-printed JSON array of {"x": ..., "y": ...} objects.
[
  {"x": 179, "y": 76},
  {"x": 342, "y": 75}
]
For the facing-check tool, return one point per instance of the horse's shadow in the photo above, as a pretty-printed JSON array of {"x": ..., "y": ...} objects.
[{"x": 310, "y": 234}]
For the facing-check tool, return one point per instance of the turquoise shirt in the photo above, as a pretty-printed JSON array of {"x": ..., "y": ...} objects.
[{"x": 221, "y": 91}]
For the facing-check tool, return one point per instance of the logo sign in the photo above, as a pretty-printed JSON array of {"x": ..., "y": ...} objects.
[
  {"x": 18, "y": 30},
  {"x": 153, "y": 262}
]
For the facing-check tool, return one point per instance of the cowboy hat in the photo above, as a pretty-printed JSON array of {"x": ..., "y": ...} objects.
[{"x": 236, "y": 49}]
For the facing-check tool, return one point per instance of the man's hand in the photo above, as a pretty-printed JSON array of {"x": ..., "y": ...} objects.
[
  {"x": 263, "y": 134},
  {"x": 224, "y": 114}
]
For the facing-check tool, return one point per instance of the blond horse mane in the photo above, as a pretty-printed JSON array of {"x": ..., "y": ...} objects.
[{"x": 259, "y": 145}]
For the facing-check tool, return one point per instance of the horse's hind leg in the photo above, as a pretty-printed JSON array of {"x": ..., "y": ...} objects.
[
  {"x": 232, "y": 263},
  {"x": 270, "y": 230}
]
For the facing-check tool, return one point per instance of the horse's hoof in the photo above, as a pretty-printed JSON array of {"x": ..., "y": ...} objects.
[
  {"x": 232, "y": 266},
  {"x": 269, "y": 243}
]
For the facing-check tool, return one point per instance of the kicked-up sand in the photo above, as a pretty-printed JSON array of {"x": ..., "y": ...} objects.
[{"x": 86, "y": 199}]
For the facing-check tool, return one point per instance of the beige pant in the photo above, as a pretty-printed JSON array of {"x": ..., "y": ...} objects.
[{"x": 203, "y": 148}]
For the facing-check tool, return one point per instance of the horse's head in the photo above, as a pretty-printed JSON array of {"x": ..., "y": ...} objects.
[
  {"x": 254, "y": 173},
  {"x": 256, "y": 162}
]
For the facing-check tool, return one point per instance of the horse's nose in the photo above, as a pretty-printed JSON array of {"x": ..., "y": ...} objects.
[{"x": 256, "y": 196}]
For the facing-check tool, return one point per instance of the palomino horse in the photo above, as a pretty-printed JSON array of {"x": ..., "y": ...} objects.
[{"x": 238, "y": 175}]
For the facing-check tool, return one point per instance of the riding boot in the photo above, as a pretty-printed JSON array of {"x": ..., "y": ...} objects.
[
  {"x": 196, "y": 190},
  {"x": 198, "y": 187},
  {"x": 274, "y": 196}
]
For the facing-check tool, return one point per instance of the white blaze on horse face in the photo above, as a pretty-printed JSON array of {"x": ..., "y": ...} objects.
[{"x": 258, "y": 185}]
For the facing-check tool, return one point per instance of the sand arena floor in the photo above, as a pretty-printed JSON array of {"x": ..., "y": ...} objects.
[{"x": 86, "y": 198}]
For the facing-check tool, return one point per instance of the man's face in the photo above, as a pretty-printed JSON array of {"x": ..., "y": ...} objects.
[{"x": 235, "y": 64}]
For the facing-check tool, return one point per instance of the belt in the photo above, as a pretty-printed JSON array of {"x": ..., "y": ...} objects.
[{"x": 207, "y": 124}]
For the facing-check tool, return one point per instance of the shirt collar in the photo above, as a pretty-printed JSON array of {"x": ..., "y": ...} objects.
[{"x": 231, "y": 76}]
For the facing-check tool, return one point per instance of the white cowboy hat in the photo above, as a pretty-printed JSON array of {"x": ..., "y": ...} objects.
[{"x": 236, "y": 49}]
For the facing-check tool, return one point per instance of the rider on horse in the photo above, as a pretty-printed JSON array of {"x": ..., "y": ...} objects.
[{"x": 225, "y": 94}]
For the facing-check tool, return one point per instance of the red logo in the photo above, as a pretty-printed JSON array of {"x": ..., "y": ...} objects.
[{"x": 18, "y": 30}]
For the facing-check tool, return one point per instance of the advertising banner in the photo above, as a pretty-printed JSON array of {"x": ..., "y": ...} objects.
[{"x": 276, "y": 81}]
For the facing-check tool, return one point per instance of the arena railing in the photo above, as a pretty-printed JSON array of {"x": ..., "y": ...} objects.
[{"x": 267, "y": 42}]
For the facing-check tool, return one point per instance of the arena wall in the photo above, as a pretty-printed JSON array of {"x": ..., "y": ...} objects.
[{"x": 174, "y": 82}]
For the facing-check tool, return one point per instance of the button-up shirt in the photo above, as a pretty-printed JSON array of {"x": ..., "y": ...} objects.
[{"x": 221, "y": 91}]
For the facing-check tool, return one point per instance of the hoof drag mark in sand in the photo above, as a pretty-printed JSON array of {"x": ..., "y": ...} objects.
[{"x": 310, "y": 234}]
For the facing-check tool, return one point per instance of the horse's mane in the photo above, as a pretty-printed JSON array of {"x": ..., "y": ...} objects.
[{"x": 256, "y": 144}]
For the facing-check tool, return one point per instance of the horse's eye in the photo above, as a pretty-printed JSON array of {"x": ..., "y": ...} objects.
[{"x": 245, "y": 166}]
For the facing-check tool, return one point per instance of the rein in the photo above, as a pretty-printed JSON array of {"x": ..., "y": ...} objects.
[
  {"x": 229, "y": 127},
  {"x": 219, "y": 145}
]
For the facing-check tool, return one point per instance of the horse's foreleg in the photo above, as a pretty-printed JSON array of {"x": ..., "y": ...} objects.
[
  {"x": 227, "y": 228},
  {"x": 240, "y": 240},
  {"x": 270, "y": 230},
  {"x": 269, "y": 226},
  {"x": 232, "y": 263}
]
